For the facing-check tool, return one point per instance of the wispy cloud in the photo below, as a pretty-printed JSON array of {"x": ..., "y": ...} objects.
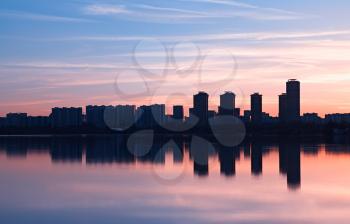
[
  {"x": 60, "y": 65},
  {"x": 159, "y": 14},
  {"x": 30, "y": 103},
  {"x": 104, "y": 9},
  {"x": 145, "y": 13},
  {"x": 241, "y": 5},
  {"x": 41, "y": 17},
  {"x": 238, "y": 4},
  {"x": 203, "y": 37},
  {"x": 258, "y": 12},
  {"x": 176, "y": 10}
]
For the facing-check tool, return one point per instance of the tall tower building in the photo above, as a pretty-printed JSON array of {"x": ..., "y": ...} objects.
[
  {"x": 293, "y": 100},
  {"x": 227, "y": 103},
  {"x": 282, "y": 107},
  {"x": 178, "y": 112},
  {"x": 256, "y": 107},
  {"x": 200, "y": 107}
]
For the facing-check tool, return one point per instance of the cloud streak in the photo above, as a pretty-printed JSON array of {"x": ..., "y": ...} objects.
[
  {"x": 30, "y": 103},
  {"x": 158, "y": 14},
  {"x": 41, "y": 17},
  {"x": 244, "y": 5},
  {"x": 104, "y": 9},
  {"x": 203, "y": 37}
]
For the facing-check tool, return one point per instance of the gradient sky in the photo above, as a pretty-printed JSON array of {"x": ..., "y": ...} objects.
[{"x": 79, "y": 52}]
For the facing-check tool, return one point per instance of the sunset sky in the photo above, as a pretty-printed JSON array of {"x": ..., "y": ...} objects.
[{"x": 80, "y": 52}]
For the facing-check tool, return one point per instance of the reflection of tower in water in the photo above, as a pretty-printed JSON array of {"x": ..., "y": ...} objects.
[
  {"x": 283, "y": 158},
  {"x": 227, "y": 161},
  {"x": 201, "y": 168},
  {"x": 114, "y": 149},
  {"x": 256, "y": 159},
  {"x": 178, "y": 149},
  {"x": 199, "y": 152},
  {"x": 289, "y": 156}
]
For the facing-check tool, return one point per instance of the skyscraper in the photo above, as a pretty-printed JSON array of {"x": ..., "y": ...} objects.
[
  {"x": 178, "y": 112},
  {"x": 256, "y": 107},
  {"x": 282, "y": 107},
  {"x": 200, "y": 107},
  {"x": 227, "y": 103},
  {"x": 293, "y": 100}
]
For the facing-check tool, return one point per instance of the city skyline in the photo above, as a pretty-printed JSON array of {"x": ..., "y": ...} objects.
[
  {"x": 74, "y": 51},
  {"x": 199, "y": 117},
  {"x": 226, "y": 106}
]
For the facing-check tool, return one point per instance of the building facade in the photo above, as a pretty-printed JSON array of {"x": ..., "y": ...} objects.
[
  {"x": 16, "y": 120},
  {"x": 178, "y": 112},
  {"x": 293, "y": 100},
  {"x": 66, "y": 117},
  {"x": 201, "y": 107},
  {"x": 227, "y": 103},
  {"x": 282, "y": 108},
  {"x": 95, "y": 116},
  {"x": 256, "y": 108}
]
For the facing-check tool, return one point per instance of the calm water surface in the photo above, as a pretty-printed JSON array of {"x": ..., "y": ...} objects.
[{"x": 107, "y": 179}]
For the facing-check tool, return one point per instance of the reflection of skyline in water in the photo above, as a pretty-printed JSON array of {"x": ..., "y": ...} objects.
[{"x": 94, "y": 150}]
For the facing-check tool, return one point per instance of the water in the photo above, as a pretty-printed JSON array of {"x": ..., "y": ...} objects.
[{"x": 100, "y": 180}]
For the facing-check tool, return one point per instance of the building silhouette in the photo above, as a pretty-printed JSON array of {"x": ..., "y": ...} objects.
[
  {"x": 150, "y": 116},
  {"x": 246, "y": 116},
  {"x": 293, "y": 100},
  {"x": 66, "y": 117},
  {"x": 2, "y": 122},
  {"x": 227, "y": 104},
  {"x": 158, "y": 111},
  {"x": 211, "y": 114},
  {"x": 38, "y": 122},
  {"x": 200, "y": 107},
  {"x": 282, "y": 107},
  {"x": 95, "y": 116},
  {"x": 256, "y": 107},
  {"x": 178, "y": 112},
  {"x": 17, "y": 120},
  {"x": 119, "y": 117},
  {"x": 237, "y": 112},
  {"x": 311, "y": 118},
  {"x": 338, "y": 118}
]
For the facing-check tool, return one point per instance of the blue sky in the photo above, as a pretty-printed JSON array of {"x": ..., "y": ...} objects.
[{"x": 73, "y": 53}]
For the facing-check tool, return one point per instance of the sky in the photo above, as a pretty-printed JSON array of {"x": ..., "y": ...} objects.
[{"x": 81, "y": 52}]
